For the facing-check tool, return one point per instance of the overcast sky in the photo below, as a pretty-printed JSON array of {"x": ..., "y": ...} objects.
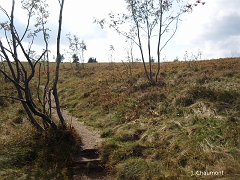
[{"x": 213, "y": 29}]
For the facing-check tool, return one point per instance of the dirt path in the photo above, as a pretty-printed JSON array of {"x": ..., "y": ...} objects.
[
  {"x": 90, "y": 137},
  {"x": 87, "y": 153}
]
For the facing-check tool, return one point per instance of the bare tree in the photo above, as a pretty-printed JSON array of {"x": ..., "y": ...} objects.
[
  {"x": 148, "y": 19},
  {"x": 111, "y": 49},
  {"x": 129, "y": 49},
  {"x": 83, "y": 48},
  {"x": 76, "y": 46},
  {"x": 21, "y": 74}
]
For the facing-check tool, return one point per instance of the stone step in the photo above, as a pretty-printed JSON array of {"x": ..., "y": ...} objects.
[
  {"x": 87, "y": 158},
  {"x": 86, "y": 163},
  {"x": 91, "y": 173},
  {"x": 89, "y": 153},
  {"x": 85, "y": 168}
]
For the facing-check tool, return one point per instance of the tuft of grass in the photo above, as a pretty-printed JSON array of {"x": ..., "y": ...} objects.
[
  {"x": 133, "y": 169},
  {"x": 56, "y": 150}
]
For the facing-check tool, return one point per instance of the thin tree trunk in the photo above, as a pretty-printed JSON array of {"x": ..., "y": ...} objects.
[
  {"x": 55, "y": 93},
  {"x": 141, "y": 50},
  {"x": 149, "y": 55},
  {"x": 31, "y": 118},
  {"x": 159, "y": 41},
  {"x": 26, "y": 108},
  {"x": 140, "y": 44},
  {"x": 30, "y": 104}
]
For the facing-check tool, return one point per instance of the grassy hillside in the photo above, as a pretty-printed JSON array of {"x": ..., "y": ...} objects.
[{"x": 189, "y": 122}]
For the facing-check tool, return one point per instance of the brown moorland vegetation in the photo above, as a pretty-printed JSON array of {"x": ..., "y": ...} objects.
[{"x": 188, "y": 122}]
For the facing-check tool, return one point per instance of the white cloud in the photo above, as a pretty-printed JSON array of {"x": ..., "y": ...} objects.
[
  {"x": 213, "y": 28},
  {"x": 78, "y": 17}
]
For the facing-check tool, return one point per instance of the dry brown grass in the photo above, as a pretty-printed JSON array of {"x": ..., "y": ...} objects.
[
  {"x": 188, "y": 123},
  {"x": 191, "y": 123}
]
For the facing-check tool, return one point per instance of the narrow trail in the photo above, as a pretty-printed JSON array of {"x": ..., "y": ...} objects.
[
  {"x": 86, "y": 163},
  {"x": 90, "y": 137}
]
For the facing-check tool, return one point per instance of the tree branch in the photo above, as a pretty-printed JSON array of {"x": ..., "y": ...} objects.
[{"x": 15, "y": 98}]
